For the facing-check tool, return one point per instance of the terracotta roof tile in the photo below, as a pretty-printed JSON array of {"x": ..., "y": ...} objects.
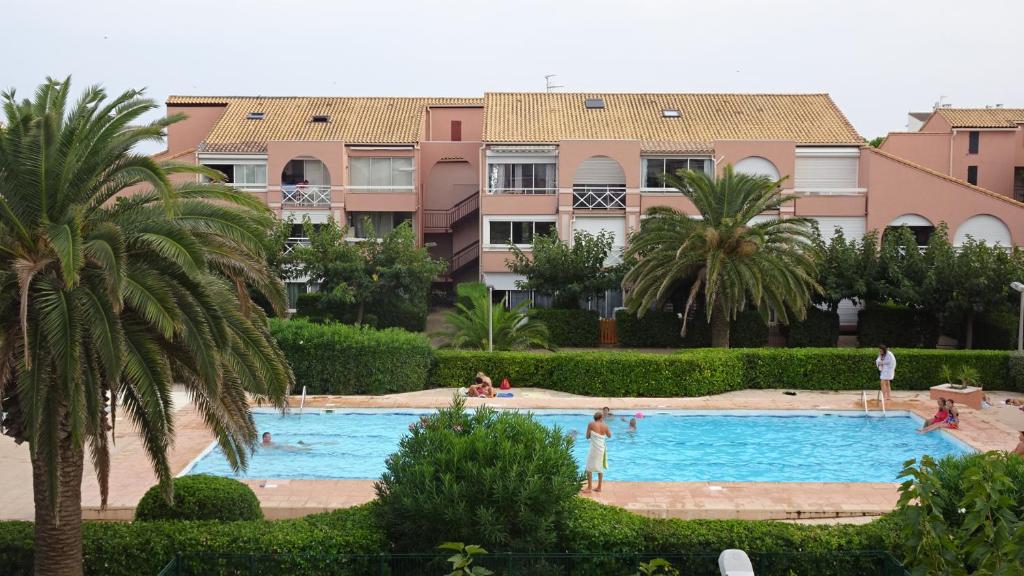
[
  {"x": 982, "y": 117},
  {"x": 351, "y": 120},
  {"x": 550, "y": 117}
]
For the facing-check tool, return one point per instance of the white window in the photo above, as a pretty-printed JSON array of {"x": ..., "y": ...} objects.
[
  {"x": 655, "y": 168},
  {"x": 388, "y": 172},
  {"x": 519, "y": 230},
  {"x": 826, "y": 170},
  {"x": 248, "y": 175},
  {"x": 383, "y": 223},
  {"x": 522, "y": 178}
]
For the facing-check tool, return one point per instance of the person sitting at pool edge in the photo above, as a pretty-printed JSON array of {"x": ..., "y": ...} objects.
[
  {"x": 597, "y": 458},
  {"x": 951, "y": 420},
  {"x": 481, "y": 387}
]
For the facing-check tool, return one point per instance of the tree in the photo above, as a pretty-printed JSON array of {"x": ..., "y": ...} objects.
[
  {"x": 731, "y": 262},
  {"x": 840, "y": 271},
  {"x": 467, "y": 327},
  {"x": 978, "y": 282},
  {"x": 876, "y": 142},
  {"x": 902, "y": 269},
  {"x": 378, "y": 274},
  {"x": 567, "y": 273},
  {"x": 104, "y": 304}
]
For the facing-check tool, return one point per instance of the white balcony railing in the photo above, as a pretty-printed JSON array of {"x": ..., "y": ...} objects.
[
  {"x": 308, "y": 195},
  {"x": 598, "y": 197},
  {"x": 292, "y": 243}
]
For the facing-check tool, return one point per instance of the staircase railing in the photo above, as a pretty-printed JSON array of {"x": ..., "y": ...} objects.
[
  {"x": 463, "y": 257},
  {"x": 444, "y": 219}
]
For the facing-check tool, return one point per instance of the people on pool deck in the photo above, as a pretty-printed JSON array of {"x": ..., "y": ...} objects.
[
  {"x": 947, "y": 417},
  {"x": 481, "y": 387},
  {"x": 597, "y": 458},
  {"x": 886, "y": 364},
  {"x": 1014, "y": 402},
  {"x": 1020, "y": 444}
]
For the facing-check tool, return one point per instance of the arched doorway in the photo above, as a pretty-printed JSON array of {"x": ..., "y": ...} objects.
[
  {"x": 921, "y": 227},
  {"x": 984, "y": 228},
  {"x": 306, "y": 182},
  {"x": 756, "y": 166},
  {"x": 599, "y": 184}
]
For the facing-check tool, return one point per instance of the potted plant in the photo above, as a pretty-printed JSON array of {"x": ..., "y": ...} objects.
[{"x": 968, "y": 376}]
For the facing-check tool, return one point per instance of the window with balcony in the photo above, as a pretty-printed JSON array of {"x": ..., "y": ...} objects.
[
  {"x": 381, "y": 223},
  {"x": 521, "y": 232},
  {"x": 243, "y": 175},
  {"x": 525, "y": 178},
  {"x": 655, "y": 169},
  {"x": 381, "y": 173}
]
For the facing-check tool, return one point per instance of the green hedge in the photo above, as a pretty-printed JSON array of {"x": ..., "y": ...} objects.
[
  {"x": 713, "y": 371},
  {"x": 404, "y": 314},
  {"x": 775, "y": 548},
  {"x": 573, "y": 328},
  {"x": 337, "y": 358},
  {"x": 660, "y": 329},
  {"x": 128, "y": 549},
  {"x": 996, "y": 331},
  {"x": 696, "y": 373},
  {"x": 820, "y": 329},
  {"x": 201, "y": 497},
  {"x": 896, "y": 326}
]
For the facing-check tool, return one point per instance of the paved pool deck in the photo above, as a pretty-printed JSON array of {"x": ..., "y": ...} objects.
[{"x": 132, "y": 475}]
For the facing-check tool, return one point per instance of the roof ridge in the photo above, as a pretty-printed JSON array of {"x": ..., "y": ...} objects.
[
  {"x": 964, "y": 183},
  {"x": 259, "y": 97},
  {"x": 582, "y": 93}
]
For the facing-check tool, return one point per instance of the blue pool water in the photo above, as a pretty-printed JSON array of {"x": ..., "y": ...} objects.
[{"x": 679, "y": 446}]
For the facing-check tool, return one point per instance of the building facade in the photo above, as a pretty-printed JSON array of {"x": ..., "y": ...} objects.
[{"x": 476, "y": 174}]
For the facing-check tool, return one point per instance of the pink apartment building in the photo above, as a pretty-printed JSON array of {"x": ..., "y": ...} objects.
[{"x": 474, "y": 174}]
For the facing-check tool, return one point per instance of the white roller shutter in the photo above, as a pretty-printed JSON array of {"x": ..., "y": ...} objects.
[
  {"x": 824, "y": 174},
  {"x": 984, "y": 228},
  {"x": 853, "y": 227},
  {"x": 600, "y": 170},
  {"x": 503, "y": 280},
  {"x": 617, "y": 226}
]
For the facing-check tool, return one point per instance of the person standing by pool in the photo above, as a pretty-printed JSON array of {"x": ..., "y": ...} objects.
[
  {"x": 597, "y": 459},
  {"x": 886, "y": 364}
]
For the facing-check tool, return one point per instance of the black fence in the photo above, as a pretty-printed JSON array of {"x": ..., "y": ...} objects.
[{"x": 795, "y": 564}]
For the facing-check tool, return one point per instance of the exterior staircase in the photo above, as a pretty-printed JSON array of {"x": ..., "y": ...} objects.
[
  {"x": 460, "y": 260},
  {"x": 442, "y": 221}
]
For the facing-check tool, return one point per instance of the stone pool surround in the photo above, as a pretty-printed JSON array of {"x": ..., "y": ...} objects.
[{"x": 131, "y": 474}]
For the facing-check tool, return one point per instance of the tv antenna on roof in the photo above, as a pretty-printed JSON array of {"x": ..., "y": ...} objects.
[
  {"x": 939, "y": 103},
  {"x": 548, "y": 86}
]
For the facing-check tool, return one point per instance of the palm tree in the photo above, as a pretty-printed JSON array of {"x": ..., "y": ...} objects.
[
  {"x": 732, "y": 262},
  {"x": 512, "y": 329},
  {"x": 108, "y": 296}
]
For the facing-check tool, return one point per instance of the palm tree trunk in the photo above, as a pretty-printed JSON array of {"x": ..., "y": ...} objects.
[
  {"x": 58, "y": 538},
  {"x": 719, "y": 327}
]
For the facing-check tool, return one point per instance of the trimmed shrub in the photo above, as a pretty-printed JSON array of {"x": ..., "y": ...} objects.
[
  {"x": 774, "y": 547},
  {"x": 337, "y": 358},
  {"x": 690, "y": 373},
  {"x": 748, "y": 330},
  {"x": 1014, "y": 372},
  {"x": 309, "y": 306},
  {"x": 996, "y": 331},
  {"x": 896, "y": 326},
  {"x": 496, "y": 478},
  {"x": 574, "y": 328},
  {"x": 299, "y": 546},
  {"x": 714, "y": 371},
  {"x": 657, "y": 329},
  {"x": 820, "y": 329},
  {"x": 201, "y": 497},
  {"x": 403, "y": 314}
]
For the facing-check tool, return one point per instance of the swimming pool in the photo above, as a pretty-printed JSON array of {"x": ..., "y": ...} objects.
[{"x": 669, "y": 446}]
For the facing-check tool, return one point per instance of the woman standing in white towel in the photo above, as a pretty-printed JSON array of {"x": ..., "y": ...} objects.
[
  {"x": 886, "y": 364},
  {"x": 597, "y": 458}
]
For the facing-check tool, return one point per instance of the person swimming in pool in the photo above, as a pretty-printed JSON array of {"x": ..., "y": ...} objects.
[{"x": 269, "y": 444}]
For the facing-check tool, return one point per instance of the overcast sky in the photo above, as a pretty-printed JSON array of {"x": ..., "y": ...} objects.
[{"x": 878, "y": 59}]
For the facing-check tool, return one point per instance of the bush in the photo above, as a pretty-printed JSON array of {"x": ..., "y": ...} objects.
[
  {"x": 300, "y": 546},
  {"x": 714, "y": 371},
  {"x": 597, "y": 373},
  {"x": 575, "y": 328},
  {"x": 1015, "y": 372},
  {"x": 748, "y": 330},
  {"x": 820, "y": 329},
  {"x": 774, "y": 547},
  {"x": 337, "y": 358},
  {"x": 996, "y": 331},
  {"x": 405, "y": 314},
  {"x": 465, "y": 291},
  {"x": 896, "y": 326},
  {"x": 498, "y": 479},
  {"x": 657, "y": 329},
  {"x": 201, "y": 498}
]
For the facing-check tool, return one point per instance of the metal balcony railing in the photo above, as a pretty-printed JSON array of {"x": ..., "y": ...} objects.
[
  {"x": 443, "y": 220},
  {"x": 308, "y": 195},
  {"x": 599, "y": 197},
  {"x": 292, "y": 243}
]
